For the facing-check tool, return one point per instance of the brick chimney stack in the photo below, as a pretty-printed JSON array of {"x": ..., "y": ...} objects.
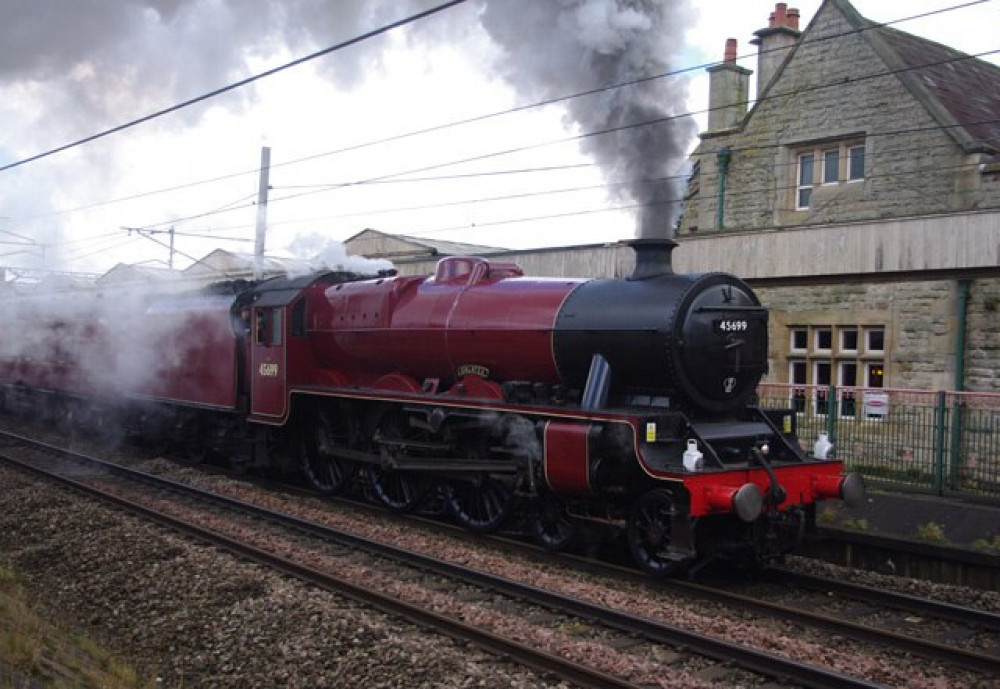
[
  {"x": 775, "y": 42},
  {"x": 730, "y": 55},
  {"x": 728, "y": 88}
]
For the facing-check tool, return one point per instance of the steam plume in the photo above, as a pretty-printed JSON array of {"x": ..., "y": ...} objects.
[
  {"x": 81, "y": 66},
  {"x": 565, "y": 46}
]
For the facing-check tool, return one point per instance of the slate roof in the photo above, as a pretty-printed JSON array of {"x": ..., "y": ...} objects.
[
  {"x": 431, "y": 247},
  {"x": 223, "y": 263},
  {"x": 961, "y": 92},
  {"x": 125, "y": 272}
]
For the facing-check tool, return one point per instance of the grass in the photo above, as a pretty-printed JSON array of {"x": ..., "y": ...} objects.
[
  {"x": 987, "y": 545},
  {"x": 856, "y": 524},
  {"x": 931, "y": 532},
  {"x": 32, "y": 648}
]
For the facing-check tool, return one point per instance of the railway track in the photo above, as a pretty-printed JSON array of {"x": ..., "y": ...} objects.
[
  {"x": 617, "y": 630},
  {"x": 610, "y": 628}
]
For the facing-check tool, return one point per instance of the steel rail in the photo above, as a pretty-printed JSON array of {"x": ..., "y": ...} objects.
[
  {"x": 757, "y": 661},
  {"x": 525, "y": 655},
  {"x": 901, "y": 601}
]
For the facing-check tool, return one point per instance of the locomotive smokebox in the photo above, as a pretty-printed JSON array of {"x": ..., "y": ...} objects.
[{"x": 652, "y": 258}]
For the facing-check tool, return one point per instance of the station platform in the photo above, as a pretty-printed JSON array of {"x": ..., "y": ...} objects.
[{"x": 945, "y": 521}]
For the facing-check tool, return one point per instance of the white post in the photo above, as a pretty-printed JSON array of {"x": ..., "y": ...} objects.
[{"x": 258, "y": 254}]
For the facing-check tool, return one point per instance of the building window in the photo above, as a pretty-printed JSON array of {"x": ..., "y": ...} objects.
[
  {"x": 848, "y": 356},
  {"x": 856, "y": 164},
  {"x": 827, "y": 166},
  {"x": 800, "y": 339},
  {"x": 797, "y": 376},
  {"x": 824, "y": 339},
  {"x": 873, "y": 375},
  {"x": 875, "y": 340},
  {"x": 805, "y": 181},
  {"x": 848, "y": 339},
  {"x": 831, "y": 166}
]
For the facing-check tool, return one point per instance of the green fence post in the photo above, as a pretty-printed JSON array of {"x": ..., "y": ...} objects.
[
  {"x": 939, "y": 455},
  {"x": 955, "y": 448}
]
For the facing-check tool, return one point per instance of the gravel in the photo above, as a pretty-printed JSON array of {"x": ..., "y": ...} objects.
[
  {"x": 195, "y": 617},
  {"x": 200, "y": 618}
]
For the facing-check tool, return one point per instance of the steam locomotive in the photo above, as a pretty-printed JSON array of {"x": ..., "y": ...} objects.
[{"x": 553, "y": 402}]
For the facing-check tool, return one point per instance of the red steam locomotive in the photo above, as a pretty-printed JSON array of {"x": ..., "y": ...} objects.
[{"x": 620, "y": 401}]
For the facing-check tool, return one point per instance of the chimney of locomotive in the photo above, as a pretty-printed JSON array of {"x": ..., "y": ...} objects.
[{"x": 652, "y": 257}]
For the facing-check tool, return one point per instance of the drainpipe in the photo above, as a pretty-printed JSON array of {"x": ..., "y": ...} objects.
[
  {"x": 963, "y": 314},
  {"x": 722, "y": 158},
  {"x": 956, "y": 417}
]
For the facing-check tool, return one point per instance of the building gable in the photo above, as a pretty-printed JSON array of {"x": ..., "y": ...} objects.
[{"x": 839, "y": 135}]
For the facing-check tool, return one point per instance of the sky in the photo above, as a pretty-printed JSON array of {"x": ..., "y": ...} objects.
[{"x": 431, "y": 130}]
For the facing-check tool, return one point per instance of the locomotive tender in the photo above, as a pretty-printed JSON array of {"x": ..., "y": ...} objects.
[{"x": 556, "y": 401}]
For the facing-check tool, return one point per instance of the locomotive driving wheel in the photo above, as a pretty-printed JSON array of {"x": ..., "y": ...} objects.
[
  {"x": 481, "y": 504},
  {"x": 649, "y": 534},
  {"x": 400, "y": 491},
  {"x": 552, "y": 527},
  {"x": 321, "y": 433}
]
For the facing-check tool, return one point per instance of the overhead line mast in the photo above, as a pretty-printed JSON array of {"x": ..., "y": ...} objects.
[{"x": 265, "y": 173}]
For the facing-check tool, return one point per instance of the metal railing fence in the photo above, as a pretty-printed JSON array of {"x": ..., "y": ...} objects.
[{"x": 942, "y": 442}]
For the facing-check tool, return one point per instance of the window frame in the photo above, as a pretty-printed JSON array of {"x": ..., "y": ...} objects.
[
  {"x": 842, "y": 344},
  {"x": 869, "y": 331},
  {"x": 801, "y": 186},
  {"x": 811, "y": 175},
  {"x": 825, "y": 166},
  {"x": 792, "y": 347},
  {"x": 811, "y": 370},
  {"x": 849, "y": 173},
  {"x": 817, "y": 332}
]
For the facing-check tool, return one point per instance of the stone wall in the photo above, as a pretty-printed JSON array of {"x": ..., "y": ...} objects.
[
  {"x": 920, "y": 320},
  {"x": 982, "y": 337}
]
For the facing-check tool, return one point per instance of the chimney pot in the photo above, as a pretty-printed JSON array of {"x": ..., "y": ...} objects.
[
  {"x": 793, "y": 18},
  {"x": 730, "y": 50},
  {"x": 770, "y": 19},
  {"x": 780, "y": 10}
]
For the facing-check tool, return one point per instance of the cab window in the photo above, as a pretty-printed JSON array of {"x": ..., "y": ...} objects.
[{"x": 267, "y": 330}]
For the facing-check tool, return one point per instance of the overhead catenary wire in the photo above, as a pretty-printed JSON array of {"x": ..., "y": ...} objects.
[
  {"x": 658, "y": 120},
  {"x": 386, "y": 179},
  {"x": 622, "y": 207},
  {"x": 479, "y": 200},
  {"x": 238, "y": 84},
  {"x": 637, "y": 206},
  {"x": 435, "y": 128}
]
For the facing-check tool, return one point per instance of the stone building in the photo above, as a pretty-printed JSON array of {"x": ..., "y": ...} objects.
[{"x": 861, "y": 196}]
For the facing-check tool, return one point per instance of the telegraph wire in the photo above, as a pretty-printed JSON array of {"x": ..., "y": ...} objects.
[
  {"x": 655, "y": 121},
  {"x": 868, "y": 27},
  {"x": 615, "y": 183},
  {"x": 569, "y": 190},
  {"x": 640, "y": 206},
  {"x": 625, "y": 84},
  {"x": 393, "y": 177},
  {"x": 733, "y": 194},
  {"x": 238, "y": 84}
]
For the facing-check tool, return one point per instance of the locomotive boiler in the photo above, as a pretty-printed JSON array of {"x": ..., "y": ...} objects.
[{"x": 542, "y": 403}]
